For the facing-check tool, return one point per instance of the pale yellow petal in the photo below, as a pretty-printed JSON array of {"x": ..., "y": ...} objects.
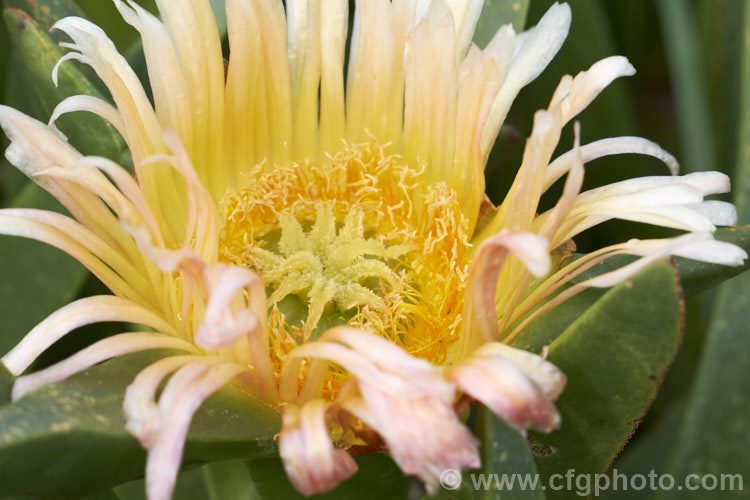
[{"x": 82, "y": 312}]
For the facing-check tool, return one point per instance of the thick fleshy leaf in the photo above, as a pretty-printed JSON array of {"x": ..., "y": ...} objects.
[
  {"x": 6, "y": 384},
  {"x": 103, "y": 495},
  {"x": 81, "y": 420},
  {"x": 38, "y": 55},
  {"x": 548, "y": 327},
  {"x": 198, "y": 484},
  {"x": 11, "y": 181},
  {"x": 647, "y": 452},
  {"x": 378, "y": 477},
  {"x": 229, "y": 480},
  {"x": 36, "y": 279},
  {"x": 714, "y": 434},
  {"x": 46, "y": 12},
  {"x": 614, "y": 355},
  {"x": 690, "y": 85},
  {"x": 496, "y": 13},
  {"x": 507, "y": 462}
]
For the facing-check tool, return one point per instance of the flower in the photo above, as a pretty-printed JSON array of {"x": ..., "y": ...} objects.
[{"x": 322, "y": 240}]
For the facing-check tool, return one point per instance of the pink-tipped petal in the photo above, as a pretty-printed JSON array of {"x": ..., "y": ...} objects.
[
  {"x": 76, "y": 314},
  {"x": 409, "y": 403},
  {"x": 105, "y": 349},
  {"x": 310, "y": 459},
  {"x": 481, "y": 322},
  {"x": 517, "y": 386},
  {"x": 139, "y": 404},
  {"x": 225, "y": 320},
  {"x": 423, "y": 434},
  {"x": 182, "y": 397}
]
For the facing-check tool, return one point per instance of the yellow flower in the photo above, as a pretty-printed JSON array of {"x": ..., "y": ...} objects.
[{"x": 322, "y": 239}]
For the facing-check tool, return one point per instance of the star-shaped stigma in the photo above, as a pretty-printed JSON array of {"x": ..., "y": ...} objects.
[{"x": 327, "y": 264}]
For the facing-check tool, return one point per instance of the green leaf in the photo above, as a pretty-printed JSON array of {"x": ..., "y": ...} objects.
[
  {"x": 507, "y": 459},
  {"x": 191, "y": 485},
  {"x": 37, "y": 279},
  {"x": 549, "y": 326},
  {"x": 4, "y": 57},
  {"x": 378, "y": 477},
  {"x": 690, "y": 85},
  {"x": 11, "y": 181},
  {"x": 6, "y": 384},
  {"x": 614, "y": 356},
  {"x": 81, "y": 421},
  {"x": 496, "y": 13},
  {"x": 648, "y": 451},
  {"x": 102, "y": 495},
  {"x": 47, "y": 12},
  {"x": 106, "y": 16},
  {"x": 229, "y": 480},
  {"x": 714, "y": 434},
  {"x": 89, "y": 133}
]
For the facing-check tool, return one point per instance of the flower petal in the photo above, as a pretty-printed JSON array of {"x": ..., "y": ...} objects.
[
  {"x": 607, "y": 147},
  {"x": 139, "y": 403},
  {"x": 480, "y": 319},
  {"x": 182, "y": 397},
  {"x": 535, "y": 48},
  {"x": 588, "y": 84},
  {"x": 516, "y": 385},
  {"x": 92, "y": 105},
  {"x": 423, "y": 434},
  {"x": 697, "y": 246},
  {"x": 312, "y": 463},
  {"x": 105, "y": 349},
  {"x": 76, "y": 314},
  {"x": 34, "y": 147},
  {"x": 408, "y": 402}
]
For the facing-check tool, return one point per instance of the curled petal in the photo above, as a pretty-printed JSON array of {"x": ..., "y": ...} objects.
[
  {"x": 607, "y": 147},
  {"x": 534, "y": 50},
  {"x": 230, "y": 320},
  {"x": 92, "y": 105},
  {"x": 34, "y": 148},
  {"x": 674, "y": 202},
  {"x": 480, "y": 318},
  {"x": 312, "y": 463},
  {"x": 697, "y": 246},
  {"x": 423, "y": 434},
  {"x": 588, "y": 84},
  {"x": 224, "y": 324},
  {"x": 93, "y": 47},
  {"x": 105, "y": 349},
  {"x": 139, "y": 404},
  {"x": 408, "y": 402},
  {"x": 516, "y": 385},
  {"x": 76, "y": 314},
  {"x": 719, "y": 213},
  {"x": 182, "y": 397}
]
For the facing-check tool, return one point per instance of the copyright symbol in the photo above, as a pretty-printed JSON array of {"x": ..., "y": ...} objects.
[{"x": 450, "y": 479}]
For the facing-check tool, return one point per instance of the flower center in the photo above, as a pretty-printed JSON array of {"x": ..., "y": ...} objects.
[
  {"x": 333, "y": 267},
  {"x": 358, "y": 240}
]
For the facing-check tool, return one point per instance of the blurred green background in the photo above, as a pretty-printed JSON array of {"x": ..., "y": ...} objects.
[{"x": 689, "y": 95}]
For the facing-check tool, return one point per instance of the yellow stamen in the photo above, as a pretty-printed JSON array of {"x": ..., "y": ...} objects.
[{"x": 356, "y": 240}]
